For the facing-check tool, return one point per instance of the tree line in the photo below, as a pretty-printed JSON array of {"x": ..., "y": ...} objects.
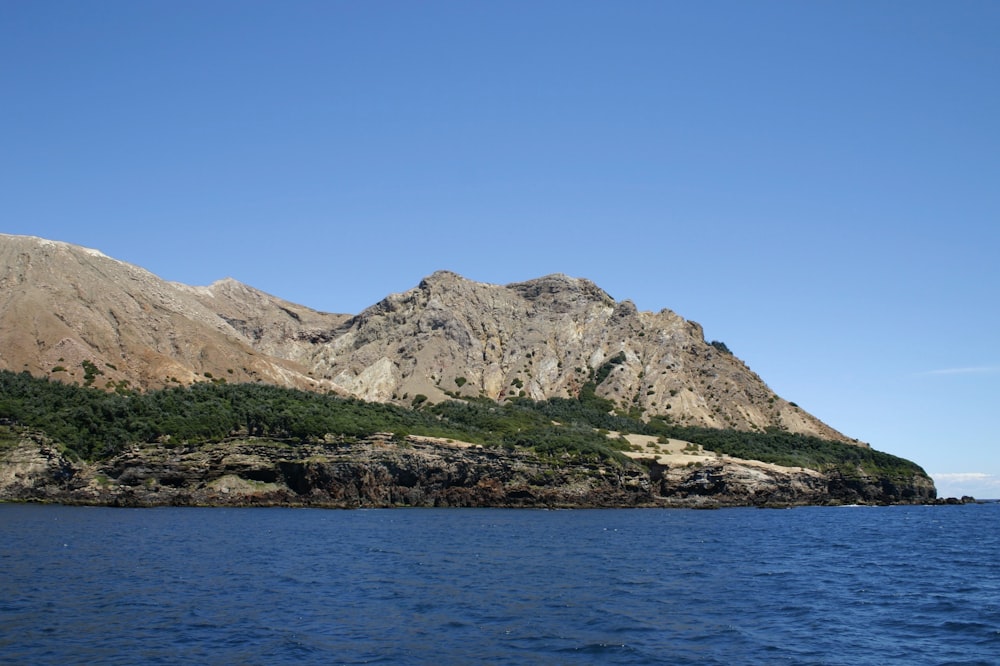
[{"x": 97, "y": 424}]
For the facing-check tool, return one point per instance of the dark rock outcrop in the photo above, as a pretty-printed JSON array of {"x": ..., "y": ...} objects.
[{"x": 384, "y": 472}]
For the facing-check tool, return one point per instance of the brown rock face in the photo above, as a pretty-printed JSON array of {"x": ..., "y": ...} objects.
[
  {"x": 546, "y": 338},
  {"x": 65, "y": 308},
  {"x": 79, "y": 316}
]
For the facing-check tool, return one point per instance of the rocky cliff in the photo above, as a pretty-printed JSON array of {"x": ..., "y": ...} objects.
[{"x": 382, "y": 471}]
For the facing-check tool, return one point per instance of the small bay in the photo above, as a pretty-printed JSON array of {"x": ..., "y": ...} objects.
[{"x": 846, "y": 585}]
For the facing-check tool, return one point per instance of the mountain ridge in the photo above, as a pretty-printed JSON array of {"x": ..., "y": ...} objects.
[{"x": 65, "y": 308}]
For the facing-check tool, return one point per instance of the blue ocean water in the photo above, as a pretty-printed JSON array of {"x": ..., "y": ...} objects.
[{"x": 888, "y": 585}]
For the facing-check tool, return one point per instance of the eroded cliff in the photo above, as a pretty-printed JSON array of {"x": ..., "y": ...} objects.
[{"x": 386, "y": 471}]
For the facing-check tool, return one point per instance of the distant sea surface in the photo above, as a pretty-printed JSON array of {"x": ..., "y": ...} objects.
[{"x": 851, "y": 585}]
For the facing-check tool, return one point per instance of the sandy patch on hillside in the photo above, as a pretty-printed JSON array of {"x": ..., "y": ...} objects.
[
  {"x": 679, "y": 453},
  {"x": 443, "y": 441}
]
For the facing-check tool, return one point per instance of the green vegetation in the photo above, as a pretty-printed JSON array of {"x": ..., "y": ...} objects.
[
  {"x": 96, "y": 424},
  {"x": 90, "y": 373},
  {"x": 609, "y": 365},
  {"x": 791, "y": 450},
  {"x": 721, "y": 346},
  {"x": 8, "y": 439},
  {"x": 588, "y": 392},
  {"x": 519, "y": 423}
]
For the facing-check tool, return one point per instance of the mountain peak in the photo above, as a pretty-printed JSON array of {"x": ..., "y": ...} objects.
[
  {"x": 557, "y": 286},
  {"x": 43, "y": 243},
  {"x": 445, "y": 279}
]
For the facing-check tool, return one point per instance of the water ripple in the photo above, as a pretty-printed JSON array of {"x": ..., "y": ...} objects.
[{"x": 895, "y": 585}]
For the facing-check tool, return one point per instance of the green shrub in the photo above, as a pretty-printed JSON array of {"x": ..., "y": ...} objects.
[
  {"x": 721, "y": 346},
  {"x": 90, "y": 372},
  {"x": 96, "y": 424}
]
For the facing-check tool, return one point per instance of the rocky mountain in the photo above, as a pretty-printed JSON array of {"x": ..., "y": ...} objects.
[
  {"x": 71, "y": 313},
  {"x": 548, "y": 338},
  {"x": 76, "y": 315}
]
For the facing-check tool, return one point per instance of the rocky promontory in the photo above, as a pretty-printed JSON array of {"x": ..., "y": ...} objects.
[
  {"x": 133, "y": 390},
  {"x": 388, "y": 471}
]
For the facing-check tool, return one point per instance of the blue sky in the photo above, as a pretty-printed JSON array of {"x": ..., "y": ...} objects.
[{"x": 816, "y": 183}]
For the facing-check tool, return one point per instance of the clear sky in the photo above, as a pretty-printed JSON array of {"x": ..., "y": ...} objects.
[{"x": 816, "y": 183}]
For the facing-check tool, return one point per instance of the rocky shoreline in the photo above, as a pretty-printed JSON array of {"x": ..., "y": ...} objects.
[{"x": 382, "y": 471}]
